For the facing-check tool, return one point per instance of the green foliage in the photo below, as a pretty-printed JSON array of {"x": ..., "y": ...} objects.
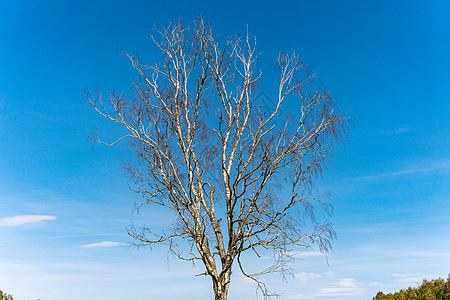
[
  {"x": 429, "y": 290},
  {"x": 5, "y": 296}
]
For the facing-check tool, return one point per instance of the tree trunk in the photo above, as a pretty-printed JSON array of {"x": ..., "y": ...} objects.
[{"x": 221, "y": 286}]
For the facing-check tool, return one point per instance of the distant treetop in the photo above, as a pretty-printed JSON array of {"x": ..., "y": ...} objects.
[
  {"x": 438, "y": 289},
  {"x": 5, "y": 296}
]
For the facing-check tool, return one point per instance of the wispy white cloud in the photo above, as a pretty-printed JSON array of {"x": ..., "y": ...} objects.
[
  {"x": 78, "y": 235},
  {"x": 297, "y": 296},
  {"x": 426, "y": 167},
  {"x": 307, "y": 276},
  {"x": 402, "y": 275},
  {"x": 344, "y": 287},
  {"x": 408, "y": 279},
  {"x": 329, "y": 273},
  {"x": 299, "y": 254},
  {"x": 24, "y": 220},
  {"x": 425, "y": 253},
  {"x": 104, "y": 244},
  {"x": 399, "y": 130}
]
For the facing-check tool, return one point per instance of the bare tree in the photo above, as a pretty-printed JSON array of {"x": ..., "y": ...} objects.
[{"x": 238, "y": 177}]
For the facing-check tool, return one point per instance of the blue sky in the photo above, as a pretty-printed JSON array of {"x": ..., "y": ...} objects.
[{"x": 63, "y": 207}]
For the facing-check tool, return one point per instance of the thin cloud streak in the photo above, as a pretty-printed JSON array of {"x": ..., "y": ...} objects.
[
  {"x": 310, "y": 254},
  {"x": 104, "y": 244},
  {"x": 341, "y": 288},
  {"x": 61, "y": 237},
  {"x": 441, "y": 164},
  {"x": 307, "y": 276},
  {"x": 300, "y": 254},
  {"x": 79, "y": 235},
  {"x": 402, "y": 275},
  {"x": 396, "y": 131},
  {"x": 24, "y": 220}
]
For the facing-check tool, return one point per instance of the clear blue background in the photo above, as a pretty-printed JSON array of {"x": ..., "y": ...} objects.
[{"x": 386, "y": 62}]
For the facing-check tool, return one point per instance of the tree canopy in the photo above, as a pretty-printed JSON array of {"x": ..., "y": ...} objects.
[
  {"x": 5, "y": 296},
  {"x": 437, "y": 289},
  {"x": 236, "y": 172}
]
